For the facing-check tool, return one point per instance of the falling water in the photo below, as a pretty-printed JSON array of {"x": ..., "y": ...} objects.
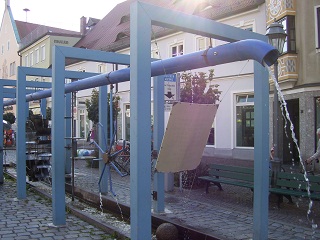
[
  {"x": 117, "y": 201},
  {"x": 286, "y": 116},
  {"x": 101, "y": 205}
]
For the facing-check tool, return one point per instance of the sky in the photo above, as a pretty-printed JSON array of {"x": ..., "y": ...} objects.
[{"x": 64, "y": 14}]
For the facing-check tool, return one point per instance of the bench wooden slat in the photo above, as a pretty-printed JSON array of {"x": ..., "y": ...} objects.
[
  {"x": 226, "y": 174},
  {"x": 232, "y": 175},
  {"x": 225, "y": 181},
  {"x": 297, "y": 181},
  {"x": 232, "y": 168},
  {"x": 295, "y": 184},
  {"x": 295, "y": 193}
]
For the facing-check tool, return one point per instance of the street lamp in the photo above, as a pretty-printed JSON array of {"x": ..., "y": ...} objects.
[
  {"x": 26, "y": 10},
  {"x": 276, "y": 37}
]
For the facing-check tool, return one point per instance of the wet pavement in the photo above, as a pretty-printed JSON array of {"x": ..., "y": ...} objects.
[{"x": 226, "y": 214}]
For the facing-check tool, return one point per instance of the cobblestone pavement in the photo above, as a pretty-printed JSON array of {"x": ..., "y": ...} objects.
[
  {"x": 226, "y": 214},
  {"x": 31, "y": 218}
]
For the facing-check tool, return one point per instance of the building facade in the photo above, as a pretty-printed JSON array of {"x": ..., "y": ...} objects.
[
  {"x": 232, "y": 134},
  {"x": 298, "y": 75},
  {"x": 232, "y": 131}
]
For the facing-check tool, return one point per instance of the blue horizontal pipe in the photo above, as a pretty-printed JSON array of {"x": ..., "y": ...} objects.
[{"x": 252, "y": 49}]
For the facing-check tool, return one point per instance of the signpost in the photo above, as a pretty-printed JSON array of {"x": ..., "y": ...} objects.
[{"x": 171, "y": 91}]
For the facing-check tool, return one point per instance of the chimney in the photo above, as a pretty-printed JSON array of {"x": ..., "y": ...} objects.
[{"x": 83, "y": 27}]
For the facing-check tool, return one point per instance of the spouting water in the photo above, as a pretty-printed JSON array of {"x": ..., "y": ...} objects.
[
  {"x": 286, "y": 117},
  {"x": 117, "y": 201}
]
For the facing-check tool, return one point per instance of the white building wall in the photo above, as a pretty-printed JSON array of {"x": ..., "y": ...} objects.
[{"x": 233, "y": 79}]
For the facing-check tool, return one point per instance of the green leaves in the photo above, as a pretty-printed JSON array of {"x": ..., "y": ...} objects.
[{"x": 197, "y": 88}]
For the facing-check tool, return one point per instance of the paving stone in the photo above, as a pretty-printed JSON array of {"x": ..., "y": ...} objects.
[{"x": 227, "y": 213}]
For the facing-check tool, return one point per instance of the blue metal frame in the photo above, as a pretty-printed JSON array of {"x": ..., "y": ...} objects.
[
  {"x": 141, "y": 17},
  {"x": 5, "y": 93},
  {"x": 58, "y": 89}
]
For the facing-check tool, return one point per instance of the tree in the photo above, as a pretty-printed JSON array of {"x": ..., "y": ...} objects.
[
  {"x": 9, "y": 117},
  {"x": 92, "y": 106},
  {"x": 48, "y": 113},
  {"x": 197, "y": 88}
]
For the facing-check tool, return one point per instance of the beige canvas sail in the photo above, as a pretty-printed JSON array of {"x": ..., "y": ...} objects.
[{"x": 185, "y": 137}]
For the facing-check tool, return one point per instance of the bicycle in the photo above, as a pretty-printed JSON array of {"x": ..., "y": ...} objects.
[{"x": 122, "y": 160}]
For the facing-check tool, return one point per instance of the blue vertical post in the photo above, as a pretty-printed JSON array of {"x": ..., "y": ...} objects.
[
  {"x": 261, "y": 152},
  {"x": 103, "y": 119},
  {"x": 111, "y": 114},
  {"x": 43, "y": 108},
  {"x": 21, "y": 135},
  {"x": 68, "y": 141},
  {"x": 58, "y": 133},
  {"x": 140, "y": 123},
  {"x": 1, "y": 134},
  {"x": 158, "y": 131}
]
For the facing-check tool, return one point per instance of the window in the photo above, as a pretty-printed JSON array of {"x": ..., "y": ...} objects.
[
  {"x": 43, "y": 52},
  {"x": 26, "y": 60},
  {"x": 125, "y": 18},
  {"x": 155, "y": 54},
  {"x": 37, "y": 56},
  {"x": 8, "y": 45},
  {"x": 317, "y": 24},
  {"x": 176, "y": 50},
  {"x": 127, "y": 122},
  {"x": 122, "y": 35},
  {"x": 288, "y": 24},
  {"x": 31, "y": 58},
  {"x": 12, "y": 68},
  {"x": 201, "y": 43},
  {"x": 245, "y": 120},
  {"x": 2, "y": 49},
  {"x": 101, "y": 68},
  {"x": 210, "y": 140}
]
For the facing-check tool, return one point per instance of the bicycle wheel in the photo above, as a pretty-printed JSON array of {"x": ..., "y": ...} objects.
[{"x": 122, "y": 161}]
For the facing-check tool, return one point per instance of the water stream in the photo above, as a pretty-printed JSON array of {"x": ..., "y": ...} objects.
[{"x": 287, "y": 119}]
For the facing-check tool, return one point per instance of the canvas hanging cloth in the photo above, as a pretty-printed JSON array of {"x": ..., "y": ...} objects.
[{"x": 186, "y": 136}]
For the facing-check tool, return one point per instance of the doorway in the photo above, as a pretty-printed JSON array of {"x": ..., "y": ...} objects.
[{"x": 290, "y": 151}]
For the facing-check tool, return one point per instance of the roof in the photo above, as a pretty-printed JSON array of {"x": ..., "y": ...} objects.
[
  {"x": 24, "y": 28},
  {"x": 113, "y": 31},
  {"x": 30, "y": 32}
]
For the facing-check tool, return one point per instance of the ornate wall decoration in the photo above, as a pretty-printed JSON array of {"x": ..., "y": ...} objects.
[{"x": 277, "y": 9}]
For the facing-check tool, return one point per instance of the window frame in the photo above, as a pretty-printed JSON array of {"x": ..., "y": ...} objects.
[
  {"x": 317, "y": 26},
  {"x": 26, "y": 60},
  {"x": 206, "y": 43},
  {"x": 31, "y": 58},
  {"x": 248, "y": 102},
  {"x": 101, "y": 68},
  {"x": 289, "y": 25},
  {"x": 43, "y": 53},
  {"x": 12, "y": 69},
  {"x": 37, "y": 55},
  {"x": 177, "y": 46}
]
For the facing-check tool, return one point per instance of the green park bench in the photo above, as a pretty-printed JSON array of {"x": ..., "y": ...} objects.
[
  {"x": 295, "y": 184},
  {"x": 232, "y": 175}
]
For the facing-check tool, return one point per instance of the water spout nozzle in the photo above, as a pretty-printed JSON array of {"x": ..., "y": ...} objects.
[{"x": 270, "y": 58}]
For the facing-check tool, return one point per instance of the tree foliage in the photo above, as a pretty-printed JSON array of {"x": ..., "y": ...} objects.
[
  {"x": 9, "y": 117},
  {"x": 48, "y": 113},
  {"x": 92, "y": 106},
  {"x": 197, "y": 88}
]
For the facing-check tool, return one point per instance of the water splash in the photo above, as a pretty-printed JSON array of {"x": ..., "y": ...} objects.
[
  {"x": 101, "y": 204},
  {"x": 117, "y": 201},
  {"x": 286, "y": 117}
]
